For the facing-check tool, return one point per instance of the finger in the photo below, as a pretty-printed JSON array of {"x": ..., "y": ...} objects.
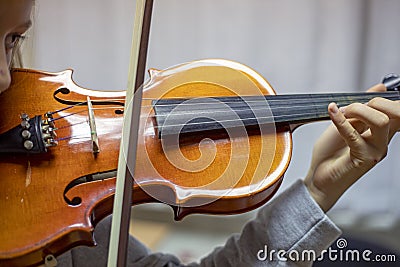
[
  {"x": 377, "y": 88},
  {"x": 350, "y": 135},
  {"x": 360, "y": 126},
  {"x": 329, "y": 136},
  {"x": 377, "y": 121},
  {"x": 394, "y": 128},
  {"x": 332, "y": 137},
  {"x": 389, "y": 107}
]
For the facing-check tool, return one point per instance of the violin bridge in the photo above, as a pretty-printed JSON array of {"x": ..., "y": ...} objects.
[{"x": 92, "y": 124}]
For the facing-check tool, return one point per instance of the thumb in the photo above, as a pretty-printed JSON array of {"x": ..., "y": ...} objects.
[{"x": 380, "y": 87}]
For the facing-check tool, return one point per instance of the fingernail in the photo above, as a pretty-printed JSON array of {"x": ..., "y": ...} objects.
[
  {"x": 334, "y": 108},
  {"x": 342, "y": 109}
]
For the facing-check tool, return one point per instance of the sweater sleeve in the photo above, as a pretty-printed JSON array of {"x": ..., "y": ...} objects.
[
  {"x": 283, "y": 229},
  {"x": 289, "y": 225}
]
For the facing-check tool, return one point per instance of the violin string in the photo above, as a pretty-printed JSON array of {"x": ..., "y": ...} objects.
[
  {"x": 107, "y": 100},
  {"x": 82, "y": 111},
  {"x": 88, "y": 137},
  {"x": 225, "y": 109},
  {"x": 112, "y": 107},
  {"x": 160, "y": 127},
  {"x": 196, "y": 123},
  {"x": 317, "y": 96},
  {"x": 68, "y": 107},
  {"x": 68, "y": 115},
  {"x": 272, "y": 109},
  {"x": 71, "y": 125},
  {"x": 85, "y": 102},
  {"x": 265, "y": 103},
  {"x": 220, "y": 121},
  {"x": 73, "y": 137},
  {"x": 355, "y": 97},
  {"x": 236, "y": 99},
  {"x": 204, "y": 113},
  {"x": 219, "y": 109},
  {"x": 392, "y": 96},
  {"x": 272, "y": 118}
]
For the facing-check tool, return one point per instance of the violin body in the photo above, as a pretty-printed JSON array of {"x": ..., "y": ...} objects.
[
  {"x": 36, "y": 220},
  {"x": 52, "y": 201}
]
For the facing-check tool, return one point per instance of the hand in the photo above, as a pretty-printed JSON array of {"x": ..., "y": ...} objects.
[{"x": 356, "y": 141}]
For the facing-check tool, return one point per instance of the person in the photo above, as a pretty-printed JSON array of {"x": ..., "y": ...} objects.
[{"x": 296, "y": 220}]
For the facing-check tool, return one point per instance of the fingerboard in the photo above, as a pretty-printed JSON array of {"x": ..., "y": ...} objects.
[{"x": 175, "y": 116}]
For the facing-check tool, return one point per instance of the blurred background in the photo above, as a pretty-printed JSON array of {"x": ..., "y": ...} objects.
[{"x": 299, "y": 46}]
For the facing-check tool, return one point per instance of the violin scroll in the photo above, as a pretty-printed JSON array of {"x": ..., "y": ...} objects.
[{"x": 392, "y": 82}]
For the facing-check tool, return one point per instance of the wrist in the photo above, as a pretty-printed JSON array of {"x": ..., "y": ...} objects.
[{"x": 323, "y": 201}]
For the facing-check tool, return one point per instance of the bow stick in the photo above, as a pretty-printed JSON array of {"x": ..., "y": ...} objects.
[{"x": 123, "y": 193}]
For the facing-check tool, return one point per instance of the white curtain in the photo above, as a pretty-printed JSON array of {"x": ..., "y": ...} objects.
[{"x": 299, "y": 46}]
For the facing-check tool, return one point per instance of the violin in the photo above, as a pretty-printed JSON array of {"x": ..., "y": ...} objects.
[{"x": 213, "y": 138}]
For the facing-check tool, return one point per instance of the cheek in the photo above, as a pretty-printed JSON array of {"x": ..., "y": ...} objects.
[
  {"x": 5, "y": 78},
  {"x": 8, "y": 58}
]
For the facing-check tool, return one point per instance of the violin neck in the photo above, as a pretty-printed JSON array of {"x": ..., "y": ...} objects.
[
  {"x": 303, "y": 108},
  {"x": 174, "y": 116}
]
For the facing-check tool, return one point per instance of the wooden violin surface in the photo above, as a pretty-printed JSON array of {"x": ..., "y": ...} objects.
[{"x": 52, "y": 201}]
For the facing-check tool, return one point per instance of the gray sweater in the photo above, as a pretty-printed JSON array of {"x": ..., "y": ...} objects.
[{"x": 292, "y": 222}]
